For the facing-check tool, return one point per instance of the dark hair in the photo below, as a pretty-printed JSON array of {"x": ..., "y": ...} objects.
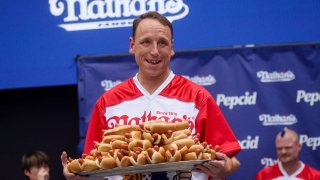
[
  {"x": 152, "y": 15},
  {"x": 34, "y": 159}
]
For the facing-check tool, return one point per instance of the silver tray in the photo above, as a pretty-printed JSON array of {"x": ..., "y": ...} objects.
[{"x": 148, "y": 168}]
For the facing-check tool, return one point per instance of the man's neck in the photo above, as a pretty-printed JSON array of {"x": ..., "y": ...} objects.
[
  {"x": 291, "y": 167},
  {"x": 151, "y": 84}
]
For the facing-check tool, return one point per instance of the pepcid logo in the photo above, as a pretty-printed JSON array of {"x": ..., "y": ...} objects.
[
  {"x": 312, "y": 142},
  {"x": 232, "y": 101},
  {"x": 268, "y": 161},
  {"x": 275, "y": 76},
  {"x": 108, "y": 84},
  {"x": 249, "y": 142},
  {"x": 308, "y": 97},
  {"x": 202, "y": 80},
  {"x": 100, "y": 14},
  {"x": 269, "y": 120}
]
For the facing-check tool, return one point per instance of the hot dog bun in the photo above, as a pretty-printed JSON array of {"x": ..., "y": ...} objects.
[
  {"x": 139, "y": 145},
  {"x": 74, "y": 166},
  {"x": 173, "y": 155},
  {"x": 163, "y": 127},
  {"x": 106, "y": 162},
  {"x": 121, "y": 130},
  {"x": 138, "y": 159},
  {"x": 89, "y": 165}
]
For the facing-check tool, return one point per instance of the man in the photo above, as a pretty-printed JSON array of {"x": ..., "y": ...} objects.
[
  {"x": 157, "y": 92},
  {"x": 289, "y": 166},
  {"x": 35, "y": 165}
]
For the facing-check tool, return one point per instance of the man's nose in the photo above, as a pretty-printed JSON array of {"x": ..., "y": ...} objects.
[
  {"x": 283, "y": 150},
  {"x": 154, "y": 49}
]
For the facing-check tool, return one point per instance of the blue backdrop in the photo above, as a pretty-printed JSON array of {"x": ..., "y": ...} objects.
[
  {"x": 37, "y": 49},
  {"x": 260, "y": 90}
]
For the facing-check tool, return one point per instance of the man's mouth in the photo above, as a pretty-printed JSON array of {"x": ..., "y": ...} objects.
[{"x": 153, "y": 61}]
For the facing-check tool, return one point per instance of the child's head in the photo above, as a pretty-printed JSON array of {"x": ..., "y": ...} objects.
[{"x": 35, "y": 164}]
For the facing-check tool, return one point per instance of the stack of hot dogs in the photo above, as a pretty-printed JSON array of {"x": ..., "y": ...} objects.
[{"x": 149, "y": 143}]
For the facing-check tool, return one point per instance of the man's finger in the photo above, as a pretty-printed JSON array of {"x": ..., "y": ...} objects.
[
  {"x": 64, "y": 158},
  {"x": 221, "y": 156},
  {"x": 217, "y": 148}
]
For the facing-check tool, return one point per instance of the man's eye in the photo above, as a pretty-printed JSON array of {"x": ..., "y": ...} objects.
[
  {"x": 146, "y": 42},
  {"x": 162, "y": 43}
]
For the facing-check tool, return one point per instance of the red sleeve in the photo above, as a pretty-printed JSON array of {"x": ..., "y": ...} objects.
[
  {"x": 214, "y": 129},
  {"x": 269, "y": 172},
  {"x": 259, "y": 176},
  {"x": 95, "y": 127}
]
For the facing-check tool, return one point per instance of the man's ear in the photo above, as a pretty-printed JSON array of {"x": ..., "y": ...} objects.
[
  {"x": 27, "y": 173},
  {"x": 131, "y": 43},
  {"x": 172, "y": 51}
]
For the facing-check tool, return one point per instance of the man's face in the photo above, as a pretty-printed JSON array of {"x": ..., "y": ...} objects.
[
  {"x": 152, "y": 47},
  {"x": 288, "y": 149}
]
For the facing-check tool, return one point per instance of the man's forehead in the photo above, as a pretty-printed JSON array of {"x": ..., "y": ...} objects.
[{"x": 152, "y": 25}]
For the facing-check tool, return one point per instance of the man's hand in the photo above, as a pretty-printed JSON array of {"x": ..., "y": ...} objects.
[
  {"x": 219, "y": 168},
  {"x": 66, "y": 173}
]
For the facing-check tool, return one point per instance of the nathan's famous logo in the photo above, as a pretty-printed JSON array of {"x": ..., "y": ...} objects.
[
  {"x": 266, "y": 161},
  {"x": 202, "y": 80},
  {"x": 149, "y": 116},
  {"x": 275, "y": 76},
  {"x": 100, "y": 14},
  {"x": 308, "y": 97},
  {"x": 269, "y": 120},
  {"x": 232, "y": 101},
  {"x": 108, "y": 84}
]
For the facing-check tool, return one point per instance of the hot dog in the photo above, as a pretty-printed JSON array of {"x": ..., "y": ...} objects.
[
  {"x": 180, "y": 143},
  {"x": 134, "y": 135},
  {"x": 194, "y": 155},
  {"x": 155, "y": 155},
  {"x": 154, "y": 138},
  {"x": 74, "y": 166},
  {"x": 109, "y": 138},
  {"x": 118, "y": 144},
  {"x": 122, "y": 160},
  {"x": 137, "y": 158},
  {"x": 167, "y": 137},
  {"x": 181, "y": 134},
  {"x": 173, "y": 155},
  {"x": 139, "y": 145},
  {"x": 196, "y": 147},
  {"x": 103, "y": 147},
  {"x": 121, "y": 130},
  {"x": 88, "y": 165},
  {"x": 106, "y": 162},
  {"x": 163, "y": 127}
]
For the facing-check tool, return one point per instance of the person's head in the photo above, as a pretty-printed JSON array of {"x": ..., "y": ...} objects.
[
  {"x": 35, "y": 162},
  {"x": 152, "y": 44},
  {"x": 288, "y": 146}
]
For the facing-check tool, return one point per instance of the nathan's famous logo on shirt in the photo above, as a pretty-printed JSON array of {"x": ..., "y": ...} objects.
[
  {"x": 108, "y": 84},
  {"x": 249, "y": 142},
  {"x": 275, "y": 76},
  {"x": 100, "y": 14},
  {"x": 308, "y": 97},
  {"x": 266, "y": 161},
  {"x": 311, "y": 142},
  {"x": 271, "y": 120},
  {"x": 232, "y": 101},
  {"x": 149, "y": 116},
  {"x": 202, "y": 80}
]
